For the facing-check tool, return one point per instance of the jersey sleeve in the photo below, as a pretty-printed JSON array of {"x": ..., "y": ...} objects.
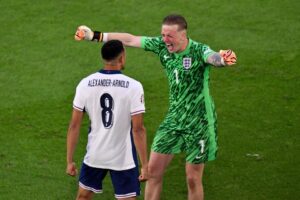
[
  {"x": 137, "y": 105},
  {"x": 79, "y": 99},
  {"x": 206, "y": 52},
  {"x": 153, "y": 44}
]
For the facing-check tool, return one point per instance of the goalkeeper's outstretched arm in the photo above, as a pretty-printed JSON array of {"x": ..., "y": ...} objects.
[{"x": 85, "y": 33}]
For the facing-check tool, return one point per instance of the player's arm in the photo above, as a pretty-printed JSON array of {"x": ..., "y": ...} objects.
[
  {"x": 140, "y": 142},
  {"x": 72, "y": 138},
  {"x": 222, "y": 58},
  {"x": 85, "y": 33}
]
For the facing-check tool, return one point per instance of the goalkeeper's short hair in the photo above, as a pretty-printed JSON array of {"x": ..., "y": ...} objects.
[{"x": 176, "y": 19}]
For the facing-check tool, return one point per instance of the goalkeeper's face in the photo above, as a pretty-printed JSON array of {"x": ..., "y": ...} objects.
[{"x": 175, "y": 39}]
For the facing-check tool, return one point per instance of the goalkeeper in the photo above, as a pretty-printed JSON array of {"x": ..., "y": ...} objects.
[{"x": 190, "y": 124}]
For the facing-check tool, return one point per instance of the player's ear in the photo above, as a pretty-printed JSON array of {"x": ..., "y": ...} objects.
[
  {"x": 183, "y": 34},
  {"x": 119, "y": 59},
  {"x": 123, "y": 57}
]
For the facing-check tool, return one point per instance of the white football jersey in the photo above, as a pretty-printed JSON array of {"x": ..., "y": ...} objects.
[{"x": 110, "y": 99}]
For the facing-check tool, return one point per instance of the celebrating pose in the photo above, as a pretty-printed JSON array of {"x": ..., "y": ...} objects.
[{"x": 190, "y": 124}]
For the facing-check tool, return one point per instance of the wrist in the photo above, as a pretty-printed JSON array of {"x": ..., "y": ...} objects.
[
  {"x": 223, "y": 61},
  {"x": 144, "y": 165},
  {"x": 70, "y": 161},
  {"x": 99, "y": 36}
]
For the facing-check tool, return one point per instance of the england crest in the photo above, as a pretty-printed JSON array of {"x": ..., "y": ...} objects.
[{"x": 187, "y": 63}]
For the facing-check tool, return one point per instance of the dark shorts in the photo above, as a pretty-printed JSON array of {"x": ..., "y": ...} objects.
[{"x": 125, "y": 182}]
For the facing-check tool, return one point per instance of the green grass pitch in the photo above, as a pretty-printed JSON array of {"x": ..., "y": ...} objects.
[{"x": 257, "y": 101}]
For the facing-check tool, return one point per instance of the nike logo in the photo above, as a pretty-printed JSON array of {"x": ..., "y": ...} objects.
[{"x": 166, "y": 57}]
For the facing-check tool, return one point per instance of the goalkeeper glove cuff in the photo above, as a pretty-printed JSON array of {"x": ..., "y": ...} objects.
[{"x": 99, "y": 36}]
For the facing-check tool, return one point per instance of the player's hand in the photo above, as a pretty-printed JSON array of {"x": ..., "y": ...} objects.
[
  {"x": 71, "y": 169},
  {"x": 144, "y": 174},
  {"x": 228, "y": 56},
  {"x": 84, "y": 33}
]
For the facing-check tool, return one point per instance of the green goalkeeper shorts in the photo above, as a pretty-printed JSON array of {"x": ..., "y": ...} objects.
[{"x": 199, "y": 145}]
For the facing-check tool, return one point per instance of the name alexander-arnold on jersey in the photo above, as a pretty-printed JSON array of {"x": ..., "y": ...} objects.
[{"x": 108, "y": 83}]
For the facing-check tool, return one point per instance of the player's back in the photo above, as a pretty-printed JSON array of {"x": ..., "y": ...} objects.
[{"x": 110, "y": 99}]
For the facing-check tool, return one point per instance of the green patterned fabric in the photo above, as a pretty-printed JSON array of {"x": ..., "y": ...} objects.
[{"x": 190, "y": 124}]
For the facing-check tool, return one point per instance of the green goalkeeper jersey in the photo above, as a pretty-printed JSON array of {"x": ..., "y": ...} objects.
[{"x": 190, "y": 104}]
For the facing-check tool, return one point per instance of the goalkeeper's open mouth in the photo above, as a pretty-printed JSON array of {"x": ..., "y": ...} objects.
[{"x": 170, "y": 47}]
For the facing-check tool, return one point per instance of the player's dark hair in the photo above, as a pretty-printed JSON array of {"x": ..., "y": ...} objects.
[
  {"x": 112, "y": 49},
  {"x": 175, "y": 19}
]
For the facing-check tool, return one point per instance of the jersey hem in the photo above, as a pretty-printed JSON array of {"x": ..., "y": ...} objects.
[
  {"x": 143, "y": 38},
  {"x": 78, "y": 108},
  {"x": 109, "y": 167},
  {"x": 137, "y": 112},
  {"x": 205, "y": 58}
]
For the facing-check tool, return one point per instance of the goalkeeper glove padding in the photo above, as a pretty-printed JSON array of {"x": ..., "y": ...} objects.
[
  {"x": 228, "y": 56},
  {"x": 85, "y": 33}
]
